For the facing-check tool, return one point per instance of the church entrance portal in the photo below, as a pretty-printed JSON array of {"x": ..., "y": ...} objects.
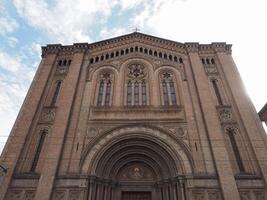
[{"x": 135, "y": 168}]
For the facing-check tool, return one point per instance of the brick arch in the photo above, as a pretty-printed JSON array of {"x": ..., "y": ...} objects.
[
  {"x": 150, "y": 76},
  {"x": 178, "y": 77},
  {"x": 166, "y": 147}
]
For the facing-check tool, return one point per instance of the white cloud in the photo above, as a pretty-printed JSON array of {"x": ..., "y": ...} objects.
[
  {"x": 15, "y": 78},
  {"x": 9, "y": 63},
  {"x": 65, "y": 21},
  {"x": 106, "y": 33},
  {"x": 7, "y": 23},
  {"x": 239, "y": 22}
]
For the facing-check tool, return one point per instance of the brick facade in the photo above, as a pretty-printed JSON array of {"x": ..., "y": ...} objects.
[{"x": 136, "y": 117}]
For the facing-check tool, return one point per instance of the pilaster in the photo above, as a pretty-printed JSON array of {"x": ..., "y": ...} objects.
[
  {"x": 23, "y": 123},
  {"x": 213, "y": 129},
  {"x": 60, "y": 127},
  {"x": 247, "y": 111}
]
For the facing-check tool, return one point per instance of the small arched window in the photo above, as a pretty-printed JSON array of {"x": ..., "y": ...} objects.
[{"x": 100, "y": 93}]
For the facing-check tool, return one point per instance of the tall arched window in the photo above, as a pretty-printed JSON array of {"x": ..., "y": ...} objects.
[
  {"x": 168, "y": 89},
  {"x": 144, "y": 93},
  {"x": 172, "y": 91},
  {"x": 165, "y": 92},
  {"x": 136, "y": 93},
  {"x": 136, "y": 85},
  {"x": 100, "y": 93},
  {"x": 54, "y": 98},
  {"x": 38, "y": 150},
  {"x": 129, "y": 93},
  {"x": 108, "y": 89},
  {"x": 104, "y": 95},
  {"x": 217, "y": 92}
]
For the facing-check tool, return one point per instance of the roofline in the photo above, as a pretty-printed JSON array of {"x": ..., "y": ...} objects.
[{"x": 263, "y": 110}]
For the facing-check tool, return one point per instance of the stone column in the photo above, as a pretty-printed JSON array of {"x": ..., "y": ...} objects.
[
  {"x": 59, "y": 129},
  {"x": 22, "y": 126},
  {"x": 213, "y": 126},
  {"x": 248, "y": 114}
]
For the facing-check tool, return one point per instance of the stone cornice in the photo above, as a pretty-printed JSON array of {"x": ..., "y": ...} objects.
[{"x": 138, "y": 37}]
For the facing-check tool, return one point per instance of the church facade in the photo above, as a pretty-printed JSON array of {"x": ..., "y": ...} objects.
[{"x": 136, "y": 117}]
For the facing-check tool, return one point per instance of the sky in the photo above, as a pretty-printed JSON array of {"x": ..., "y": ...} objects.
[{"x": 26, "y": 25}]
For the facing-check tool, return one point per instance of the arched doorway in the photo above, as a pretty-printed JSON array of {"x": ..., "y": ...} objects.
[{"x": 134, "y": 166}]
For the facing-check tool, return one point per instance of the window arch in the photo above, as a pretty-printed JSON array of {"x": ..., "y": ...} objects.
[
  {"x": 104, "y": 89},
  {"x": 136, "y": 85},
  {"x": 168, "y": 89}
]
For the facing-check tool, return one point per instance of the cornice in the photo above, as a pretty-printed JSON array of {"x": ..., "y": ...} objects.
[{"x": 138, "y": 37}]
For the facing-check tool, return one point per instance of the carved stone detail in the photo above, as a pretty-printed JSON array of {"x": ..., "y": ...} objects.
[
  {"x": 198, "y": 195},
  {"x": 225, "y": 114},
  {"x": 211, "y": 70},
  {"x": 74, "y": 195},
  {"x": 14, "y": 194},
  {"x": 136, "y": 172},
  {"x": 62, "y": 70},
  {"x": 179, "y": 131},
  {"x": 59, "y": 195},
  {"x": 29, "y": 195},
  {"x": 214, "y": 195},
  {"x": 92, "y": 132},
  {"x": 48, "y": 115},
  {"x": 259, "y": 195},
  {"x": 245, "y": 195},
  {"x": 136, "y": 71}
]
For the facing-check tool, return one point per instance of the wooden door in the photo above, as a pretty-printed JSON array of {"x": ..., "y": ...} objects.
[{"x": 136, "y": 196}]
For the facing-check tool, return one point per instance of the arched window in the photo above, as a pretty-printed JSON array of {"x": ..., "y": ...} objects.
[
  {"x": 54, "y": 99},
  {"x": 108, "y": 90},
  {"x": 38, "y": 150},
  {"x": 217, "y": 92},
  {"x": 144, "y": 93},
  {"x": 136, "y": 85},
  {"x": 165, "y": 93},
  {"x": 172, "y": 91},
  {"x": 136, "y": 93},
  {"x": 168, "y": 89},
  {"x": 104, "y": 95},
  {"x": 129, "y": 93},
  {"x": 100, "y": 93}
]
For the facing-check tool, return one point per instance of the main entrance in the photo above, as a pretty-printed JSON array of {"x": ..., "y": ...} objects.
[
  {"x": 136, "y": 196},
  {"x": 134, "y": 166}
]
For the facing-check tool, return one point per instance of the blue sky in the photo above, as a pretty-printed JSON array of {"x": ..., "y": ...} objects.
[{"x": 26, "y": 25}]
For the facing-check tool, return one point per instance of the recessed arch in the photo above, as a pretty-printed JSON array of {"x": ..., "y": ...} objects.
[{"x": 172, "y": 146}]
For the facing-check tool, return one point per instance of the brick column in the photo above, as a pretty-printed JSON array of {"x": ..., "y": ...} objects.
[
  {"x": 59, "y": 129},
  {"x": 213, "y": 127},
  {"x": 248, "y": 114},
  {"x": 22, "y": 126}
]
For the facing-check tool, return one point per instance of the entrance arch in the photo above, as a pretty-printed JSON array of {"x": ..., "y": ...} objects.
[{"x": 136, "y": 163}]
